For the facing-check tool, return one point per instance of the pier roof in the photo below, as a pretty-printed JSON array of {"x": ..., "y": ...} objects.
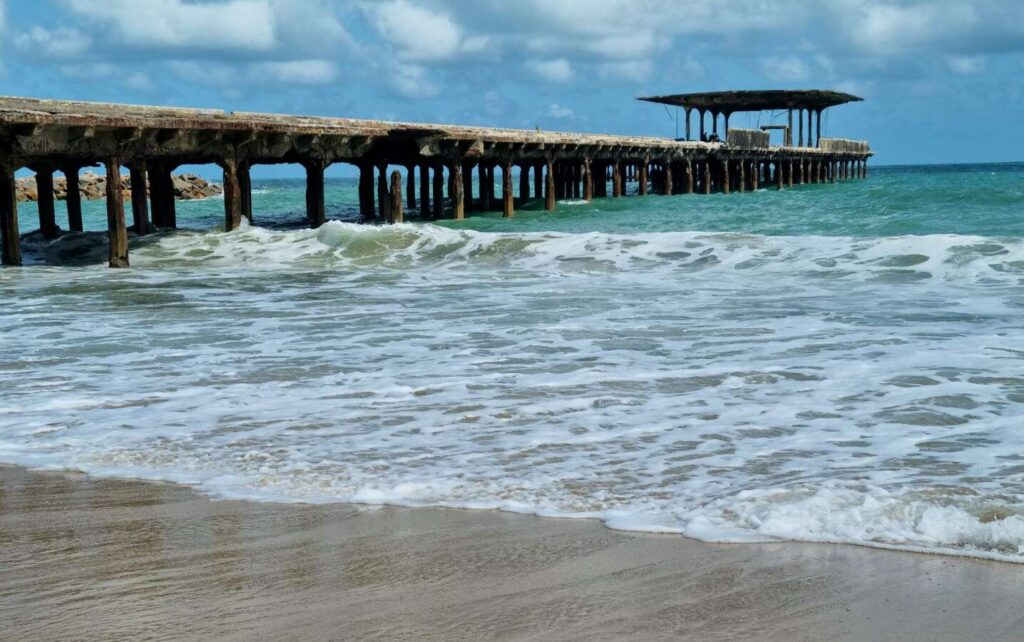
[{"x": 727, "y": 102}]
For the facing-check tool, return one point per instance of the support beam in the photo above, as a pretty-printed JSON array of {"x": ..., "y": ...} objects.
[
  {"x": 549, "y": 191},
  {"x": 74, "y": 198},
  {"x": 789, "y": 130},
  {"x": 668, "y": 189},
  {"x": 688, "y": 110},
  {"x": 467, "y": 186},
  {"x": 691, "y": 178},
  {"x": 315, "y": 206},
  {"x": 779, "y": 178},
  {"x": 801, "y": 141},
  {"x": 817, "y": 138},
  {"x": 47, "y": 212},
  {"x": 706, "y": 178},
  {"x": 617, "y": 179},
  {"x": 397, "y": 205},
  {"x": 643, "y": 177},
  {"x": 140, "y": 200},
  {"x": 789, "y": 172},
  {"x": 508, "y": 208},
  {"x": 10, "y": 236},
  {"x": 755, "y": 176},
  {"x": 524, "y": 183},
  {"x": 233, "y": 195},
  {"x": 725, "y": 176},
  {"x": 117, "y": 231},
  {"x": 742, "y": 179},
  {"x": 458, "y": 197},
  {"x": 161, "y": 193}
]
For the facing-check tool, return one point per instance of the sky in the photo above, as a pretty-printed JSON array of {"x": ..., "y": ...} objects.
[{"x": 940, "y": 78}]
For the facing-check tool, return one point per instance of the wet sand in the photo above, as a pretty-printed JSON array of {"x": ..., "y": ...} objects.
[{"x": 93, "y": 559}]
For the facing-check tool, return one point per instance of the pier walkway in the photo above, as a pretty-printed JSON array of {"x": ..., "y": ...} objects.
[{"x": 48, "y": 136}]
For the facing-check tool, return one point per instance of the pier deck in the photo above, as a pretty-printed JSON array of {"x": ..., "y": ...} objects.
[{"x": 47, "y": 136}]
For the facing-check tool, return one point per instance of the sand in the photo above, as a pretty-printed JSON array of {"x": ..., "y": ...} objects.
[{"x": 94, "y": 559}]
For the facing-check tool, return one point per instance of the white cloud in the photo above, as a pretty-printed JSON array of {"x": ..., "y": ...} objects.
[
  {"x": 785, "y": 69},
  {"x": 413, "y": 81},
  {"x": 561, "y": 113},
  {"x": 245, "y": 25},
  {"x": 63, "y": 43},
  {"x": 966, "y": 65},
  {"x": 296, "y": 72},
  {"x": 418, "y": 34},
  {"x": 558, "y": 70}
]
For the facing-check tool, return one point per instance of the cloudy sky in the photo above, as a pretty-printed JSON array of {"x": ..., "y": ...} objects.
[{"x": 941, "y": 78}]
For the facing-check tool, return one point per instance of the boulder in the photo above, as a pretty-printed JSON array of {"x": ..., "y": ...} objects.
[{"x": 93, "y": 187}]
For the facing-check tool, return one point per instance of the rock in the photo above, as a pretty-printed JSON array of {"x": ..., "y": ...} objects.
[{"x": 94, "y": 187}]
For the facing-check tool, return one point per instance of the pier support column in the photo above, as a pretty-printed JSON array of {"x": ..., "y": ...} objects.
[
  {"x": 725, "y": 176},
  {"x": 467, "y": 187},
  {"x": 457, "y": 194},
  {"x": 140, "y": 201},
  {"x": 549, "y": 187},
  {"x": 617, "y": 179},
  {"x": 524, "y": 183},
  {"x": 482, "y": 203},
  {"x": 755, "y": 176},
  {"x": 116, "y": 229},
  {"x": 10, "y": 236},
  {"x": 437, "y": 183},
  {"x": 667, "y": 190},
  {"x": 706, "y": 178},
  {"x": 47, "y": 214},
  {"x": 367, "y": 207},
  {"x": 383, "y": 193},
  {"x": 410, "y": 187},
  {"x": 538, "y": 180},
  {"x": 800, "y": 143},
  {"x": 864, "y": 172},
  {"x": 233, "y": 195},
  {"x": 691, "y": 178},
  {"x": 245, "y": 187},
  {"x": 315, "y": 206},
  {"x": 588, "y": 180},
  {"x": 424, "y": 191},
  {"x": 508, "y": 208},
  {"x": 74, "y": 198},
  {"x": 789, "y": 173},
  {"x": 161, "y": 193},
  {"x": 397, "y": 203},
  {"x": 779, "y": 177},
  {"x": 742, "y": 175},
  {"x": 644, "y": 170}
]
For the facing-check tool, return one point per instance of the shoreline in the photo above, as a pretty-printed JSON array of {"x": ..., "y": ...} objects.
[{"x": 111, "y": 558}]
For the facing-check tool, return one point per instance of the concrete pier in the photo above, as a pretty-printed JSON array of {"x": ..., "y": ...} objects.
[{"x": 153, "y": 141}]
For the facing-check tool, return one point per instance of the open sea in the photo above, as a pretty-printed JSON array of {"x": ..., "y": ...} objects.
[{"x": 831, "y": 363}]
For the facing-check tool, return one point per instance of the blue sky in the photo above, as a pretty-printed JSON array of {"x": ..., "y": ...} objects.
[{"x": 940, "y": 77}]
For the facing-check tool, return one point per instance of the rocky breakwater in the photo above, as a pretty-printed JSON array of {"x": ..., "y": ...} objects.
[{"x": 187, "y": 187}]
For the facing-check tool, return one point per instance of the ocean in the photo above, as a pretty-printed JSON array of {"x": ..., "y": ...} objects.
[{"x": 831, "y": 363}]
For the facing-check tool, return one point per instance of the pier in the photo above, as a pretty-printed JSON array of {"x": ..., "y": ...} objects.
[{"x": 48, "y": 136}]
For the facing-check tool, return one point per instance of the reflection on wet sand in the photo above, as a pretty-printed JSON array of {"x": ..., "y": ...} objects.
[{"x": 87, "y": 558}]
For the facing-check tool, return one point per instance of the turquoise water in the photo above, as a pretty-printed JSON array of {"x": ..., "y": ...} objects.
[{"x": 829, "y": 363}]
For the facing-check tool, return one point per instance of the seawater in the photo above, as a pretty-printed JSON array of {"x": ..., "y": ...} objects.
[{"x": 839, "y": 363}]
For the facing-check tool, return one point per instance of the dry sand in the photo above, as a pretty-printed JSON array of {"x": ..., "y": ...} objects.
[{"x": 91, "y": 559}]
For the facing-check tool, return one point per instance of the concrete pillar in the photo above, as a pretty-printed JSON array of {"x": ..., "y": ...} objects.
[
  {"x": 725, "y": 176},
  {"x": 702, "y": 132},
  {"x": 117, "y": 231},
  {"x": 549, "y": 191},
  {"x": 644, "y": 170},
  {"x": 467, "y": 187},
  {"x": 524, "y": 183},
  {"x": 538, "y": 180},
  {"x": 817, "y": 137},
  {"x": 779, "y": 178},
  {"x": 438, "y": 185},
  {"x": 233, "y": 196},
  {"x": 140, "y": 200},
  {"x": 789, "y": 130},
  {"x": 616, "y": 179},
  {"x": 667, "y": 179},
  {"x": 741, "y": 179},
  {"x": 10, "y": 236},
  {"x": 74, "y": 198},
  {"x": 397, "y": 204},
  {"x": 725, "y": 134},
  {"x": 315, "y": 206},
  {"x": 458, "y": 191},
  {"x": 161, "y": 195},
  {"x": 245, "y": 185},
  {"x": 801, "y": 115},
  {"x": 383, "y": 193},
  {"x": 47, "y": 214},
  {"x": 755, "y": 176},
  {"x": 789, "y": 172},
  {"x": 367, "y": 207},
  {"x": 588, "y": 181},
  {"x": 424, "y": 191},
  {"x": 508, "y": 206},
  {"x": 688, "y": 110},
  {"x": 483, "y": 203},
  {"x": 490, "y": 186},
  {"x": 410, "y": 187},
  {"x": 706, "y": 178}
]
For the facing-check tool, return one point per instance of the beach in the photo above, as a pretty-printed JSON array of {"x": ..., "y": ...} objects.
[{"x": 100, "y": 559}]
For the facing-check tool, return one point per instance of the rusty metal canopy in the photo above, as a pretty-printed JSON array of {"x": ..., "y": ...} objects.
[{"x": 729, "y": 102}]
